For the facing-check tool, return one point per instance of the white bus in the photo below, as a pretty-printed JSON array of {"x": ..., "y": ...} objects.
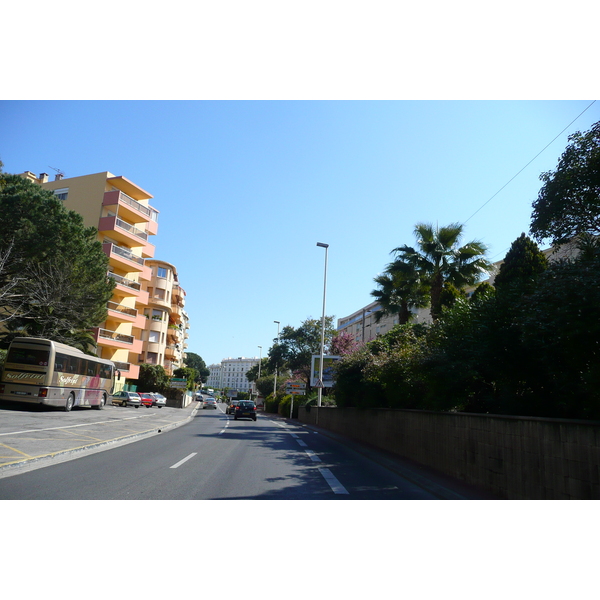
[{"x": 41, "y": 371}]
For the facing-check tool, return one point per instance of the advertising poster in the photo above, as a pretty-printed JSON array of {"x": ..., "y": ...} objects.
[{"x": 315, "y": 374}]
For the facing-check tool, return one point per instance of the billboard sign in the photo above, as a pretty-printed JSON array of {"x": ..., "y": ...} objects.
[{"x": 326, "y": 378}]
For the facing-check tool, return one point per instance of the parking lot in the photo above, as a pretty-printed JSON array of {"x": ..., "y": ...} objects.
[{"x": 32, "y": 435}]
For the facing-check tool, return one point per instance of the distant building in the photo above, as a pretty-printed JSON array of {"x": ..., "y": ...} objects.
[
  {"x": 214, "y": 378},
  {"x": 231, "y": 373}
]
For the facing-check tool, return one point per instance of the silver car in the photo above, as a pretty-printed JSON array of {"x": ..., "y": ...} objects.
[
  {"x": 209, "y": 403},
  {"x": 126, "y": 399},
  {"x": 159, "y": 400}
]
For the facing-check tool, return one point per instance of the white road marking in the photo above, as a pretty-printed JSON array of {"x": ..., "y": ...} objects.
[
  {"x": 334, "y": 484},
  {"x": 78, "y": 425},
  {"x": 330, "y": 478},
  {"x": 313, "y": 456},
  {"x": 183, "y": 460}
]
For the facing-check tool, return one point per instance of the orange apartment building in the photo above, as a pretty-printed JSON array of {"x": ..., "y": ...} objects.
[
  {"x": 126, "y": 223},
  {"x": 164, "y": 339}
]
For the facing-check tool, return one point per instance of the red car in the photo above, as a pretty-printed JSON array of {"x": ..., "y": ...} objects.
[{"x": 147, "y": 400}]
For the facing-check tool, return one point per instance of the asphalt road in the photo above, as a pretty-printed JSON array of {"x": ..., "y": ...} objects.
[{"x": 214, "y": 456}]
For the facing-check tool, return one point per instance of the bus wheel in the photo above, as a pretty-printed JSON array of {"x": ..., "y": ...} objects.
[
  {"x": 102, "y": 403},
  {"x": 70, "y": 402}
]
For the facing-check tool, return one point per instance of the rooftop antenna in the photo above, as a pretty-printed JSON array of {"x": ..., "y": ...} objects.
[{"x": 59, "y": 174}]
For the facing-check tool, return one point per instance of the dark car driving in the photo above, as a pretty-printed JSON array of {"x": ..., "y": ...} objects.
[
  {"x": 230, "y": 410},
  {"x": 245, "y": 409}
]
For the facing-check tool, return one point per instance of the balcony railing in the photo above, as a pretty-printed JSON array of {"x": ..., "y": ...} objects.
[
  {"x": 126, "y": 282},
  {"x": 131, "y": 229},
  {"x": 126, "y": 254},
  {"x": 117, "y": 337},
  {"x": 125, "y": 199},
  {"x": 122, "y": 309}
]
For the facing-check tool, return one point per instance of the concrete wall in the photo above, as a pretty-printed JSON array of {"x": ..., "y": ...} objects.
[{"x": 513, "y": 457}]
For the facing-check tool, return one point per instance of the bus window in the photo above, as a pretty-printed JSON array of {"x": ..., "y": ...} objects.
[
  {"x": 26, "y": 356},
  {"x": 60, "y": 363},
  {"x": 91, "y": 368},
  {"x": 105, "y": 371}
]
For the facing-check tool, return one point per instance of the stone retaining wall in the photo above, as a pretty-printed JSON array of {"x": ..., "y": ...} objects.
[{"x": 513, "y": 457}]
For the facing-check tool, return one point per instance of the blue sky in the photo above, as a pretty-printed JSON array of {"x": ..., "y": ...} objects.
[{"x": 246, "y": 189}]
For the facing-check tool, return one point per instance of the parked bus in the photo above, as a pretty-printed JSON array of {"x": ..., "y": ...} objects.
[{"x": 41, "y": 371}]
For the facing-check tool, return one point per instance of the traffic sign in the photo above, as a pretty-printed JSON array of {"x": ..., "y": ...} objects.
[{"x": 319, "y": 383}]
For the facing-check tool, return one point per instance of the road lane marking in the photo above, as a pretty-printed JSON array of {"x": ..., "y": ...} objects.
[
  {"x": 334, "y": 484},
  {"x": 183, "y": 460},
  {"x": 301, "y": 442},
  {"x": 313, "y": 456},
  {"x": 78, "y": 425}
]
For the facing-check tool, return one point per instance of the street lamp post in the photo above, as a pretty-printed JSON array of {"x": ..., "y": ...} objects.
[
  {"x": 321, "y": 374},
  {"x": 259, "y": 361},
  {"x": 276, "y": 369}
]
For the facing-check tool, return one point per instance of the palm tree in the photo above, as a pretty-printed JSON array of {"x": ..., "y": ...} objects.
[
  {"x": 439, "y": 259},
  {"x": 400, "y": 289}
]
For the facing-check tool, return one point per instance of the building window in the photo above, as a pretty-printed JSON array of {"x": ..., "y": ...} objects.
[
  {"x": 62, "y": 193},
  {"x": 162, "y": 272}
]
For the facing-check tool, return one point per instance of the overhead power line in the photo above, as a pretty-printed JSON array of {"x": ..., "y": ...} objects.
[{"x": 542, "y": 150}]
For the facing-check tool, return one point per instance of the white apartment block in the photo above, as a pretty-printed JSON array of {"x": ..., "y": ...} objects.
[
  {"x": 214, "y": 379},
  {"x": 231, "y": 373}
]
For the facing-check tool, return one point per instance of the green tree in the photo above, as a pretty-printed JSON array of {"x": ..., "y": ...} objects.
[
  {"x": 297, "y": 345},
  {"x": 561, "y": 340},
  {"x": 265, "y": 369},
  {"x": 521, "y": 266},
  {"x": 568, "y": 203},
  {"x": 439, "y": 258},
  {"x": 153, "y": 378},
  {"x": 187, "y": 373},
  {"x": 194, "y": 361},
  {"x": 400, "y": 290},
  {"x": 60, "y": 267}
]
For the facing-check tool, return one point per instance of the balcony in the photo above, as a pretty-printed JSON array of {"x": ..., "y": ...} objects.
[
  {"x": 126, "y": 233},
  {"x": 113, "y": 339},
  {"x": 129, "y": 207},
  {"x": 128, "y": 286},
  {"x": 122, "y": 313},
  {"x": 124, "y": 258},
  {"x": 127, "y": 370}
]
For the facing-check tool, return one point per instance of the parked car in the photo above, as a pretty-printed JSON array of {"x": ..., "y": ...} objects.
[
  {"x": 159, "y": 400},
  {"x": 231, "y": 408},
  {"x": 147, "y": 399},
  {"x": 245, "y": 409},
  {"x": 126, "y": 399},
  {"x": 209, "y": 403}
]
